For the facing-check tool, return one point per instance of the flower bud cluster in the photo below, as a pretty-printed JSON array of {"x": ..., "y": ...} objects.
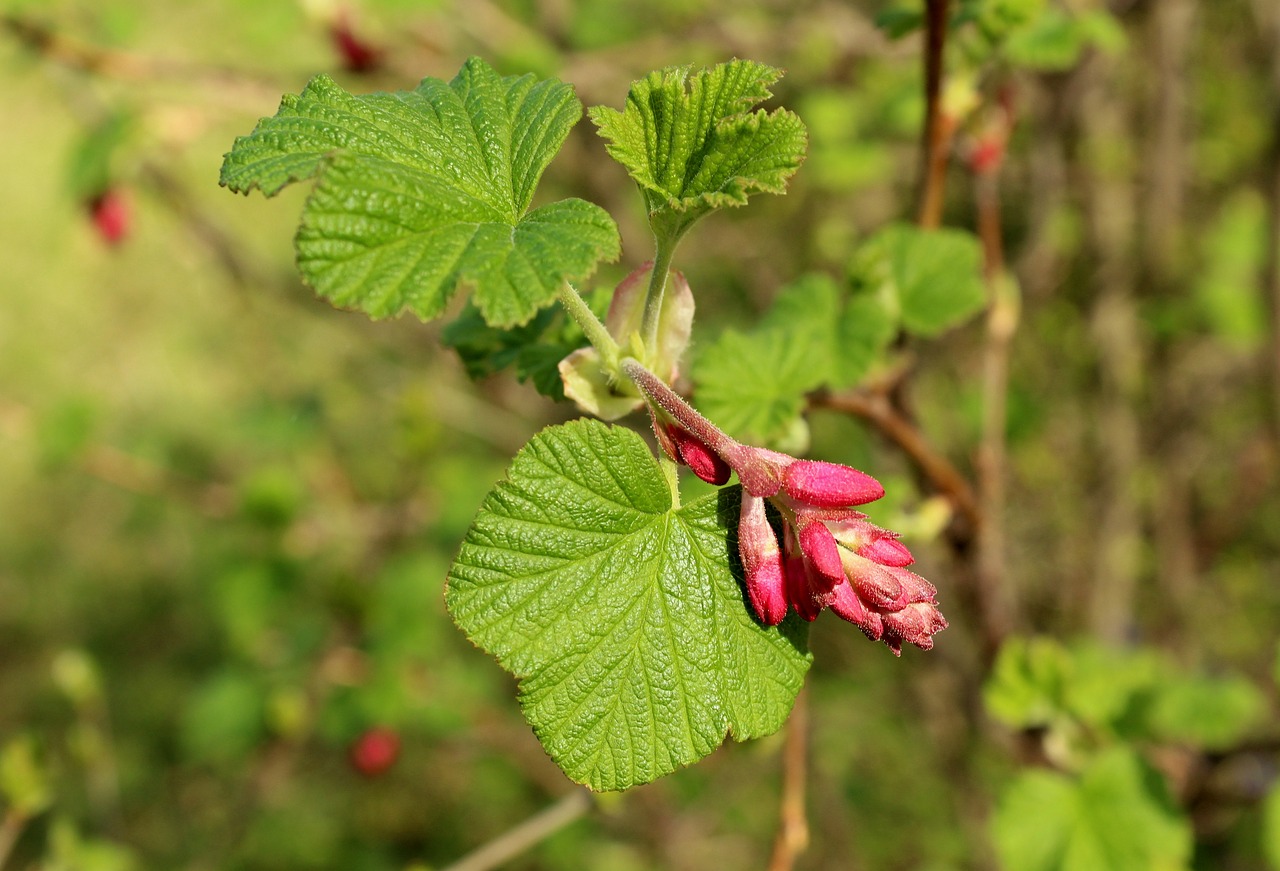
[{"x": 827, "y": 554}]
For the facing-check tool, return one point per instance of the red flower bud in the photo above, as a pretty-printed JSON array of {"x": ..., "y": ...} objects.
[
  {"x": 704, "y": 462},
  {"x": 887, "y": 551},
  {"x": 829, "y": 485},
  {"x": 823, "y": 554},
  {"x": 761, "y": 561}
]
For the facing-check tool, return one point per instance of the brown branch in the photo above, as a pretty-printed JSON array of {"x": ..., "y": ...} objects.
[
  {"x": 793, "y": 826},
  {"x": 938, "y": 128},
  {"x": 937, "y": 470},
  {"x": 1002, "y": 321},
  {"x": 538, "y": 827}
]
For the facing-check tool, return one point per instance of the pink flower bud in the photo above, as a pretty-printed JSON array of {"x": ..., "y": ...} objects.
[
  {"x": 887, "y": 551},
  {"x": 704, "y": 462},
  {"x": 819, "y": 547},
  {"x": 662, "y": 431},
  {"x": 848, "y": 606},
  {"x": 829, "y": 485},
  {"x": 761, "y": 561},
  {"x": 914, "y": 624},
  {"x": 799, "y": 589},
  {"x": 873, "y": 583}
]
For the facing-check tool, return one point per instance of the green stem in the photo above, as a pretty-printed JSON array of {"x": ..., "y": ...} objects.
[
  {"x": 595, "y": 331},
  {"x": 672, "y": 473},
  {"x": 663, "y": 253}
]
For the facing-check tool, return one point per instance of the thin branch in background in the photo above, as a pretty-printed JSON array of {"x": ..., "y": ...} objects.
[
  {"x": 939, "y": 473},
  {"x": 11, "y": 828},
  {"x": 793, "y": 825},
  {"x": 538, "y": 827},
  {"x": 938, "y": 128},
  {"x": 1002, "y": 319}
]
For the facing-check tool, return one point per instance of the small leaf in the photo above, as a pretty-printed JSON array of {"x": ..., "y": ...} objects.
[
  {"x": 623, "y": 617},
  {"x": 936, "y": 274},
  {"x": 1116, "y": 817},
  {"x": 1028, "y": 682},
  {"x": 421, "y": 191},
  {"x": 1209, "y": 712},
  {"x": 693, "y": 145},
  {"x": 753, "y": 385}
]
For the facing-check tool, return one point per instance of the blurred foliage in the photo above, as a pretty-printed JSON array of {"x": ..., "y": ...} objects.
[{"x": 230, "y": 509}]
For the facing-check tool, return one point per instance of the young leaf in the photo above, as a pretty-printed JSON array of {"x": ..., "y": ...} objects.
[
  {"x": 623, "y": 616},
  {"x": 936, "y": 274},
  {"x": 753, "y": 385},
  {"x": 1116, "y": 817},
  {"x": 693, "y": 145},
  {"x": 422, "y": 190}
]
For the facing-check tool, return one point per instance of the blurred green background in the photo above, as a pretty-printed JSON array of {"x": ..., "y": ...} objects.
[{"x": 228, "y": 509}]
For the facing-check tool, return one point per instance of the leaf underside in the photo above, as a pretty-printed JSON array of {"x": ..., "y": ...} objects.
[
  {"x": 623, "y": 617},
  {"x": 419, "y": 192}
]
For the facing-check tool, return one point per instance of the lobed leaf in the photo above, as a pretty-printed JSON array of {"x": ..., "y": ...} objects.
[
  {"x": 693, "y": 145},
  {"x": 421, "y": 191},
  {"x": 623, "y": 616},
  {"x": 1117, "y": 816},
  {"x": 753, "y": 384}
]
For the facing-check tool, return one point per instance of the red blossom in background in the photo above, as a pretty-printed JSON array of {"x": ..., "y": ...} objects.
[
  {"x": 111, "y": 215},
  {"x": 375, "y": 751}
]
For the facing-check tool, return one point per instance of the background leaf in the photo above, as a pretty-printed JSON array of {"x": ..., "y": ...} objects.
[
  {"x": 1116, "y": 817},
  {"x": 935, "y": 274},
  {"x": 623, "y": 617},
  {"x": 420, "y": 191}
]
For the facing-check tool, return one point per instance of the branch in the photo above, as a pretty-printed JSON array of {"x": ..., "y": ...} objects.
[
  {"x": 538, "y": 827},
  {"x": 937, "y": 470},
  {"x": 793, "y": 827},
  {"x": 937, "y": 126}
]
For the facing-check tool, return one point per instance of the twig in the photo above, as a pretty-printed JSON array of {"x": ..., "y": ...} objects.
[
  {"x": 936, "y": 469},
  {"x": 937, "y": 127},
  {"x": 11, "y": 828},
  {"x": 538, "y": 827},
  {"x": 1002, "y": 320},
  {"x": 793, "y": 826}
]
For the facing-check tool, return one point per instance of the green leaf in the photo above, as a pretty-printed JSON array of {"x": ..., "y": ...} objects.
[
  {"x": 1271, "y": 827},
  {"x": 623, "y": 616},
  {"x": 1208, "y": 712},
  {"x": 753, "y": 384},
  {"x": 1032, "y": 824},
  {"x": 534, "y": 349},
  {"x": 936, "y": 275},
  {"x": 693, "y": 145},
  {"x": 1028, "y": 682},
  {"x": 423, "y": 190},
  {"x": 1116, "y": 817}
]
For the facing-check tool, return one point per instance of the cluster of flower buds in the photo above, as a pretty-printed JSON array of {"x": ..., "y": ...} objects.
[{"x": 829, "y": 554}]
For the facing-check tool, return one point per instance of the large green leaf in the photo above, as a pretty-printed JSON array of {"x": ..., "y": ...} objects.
[
  {"x": 693, "y": 145},
  {"x": 623, "y": 616},
  {"x": 1116, "y": 816},
  {"x": 421, "y": 191}
]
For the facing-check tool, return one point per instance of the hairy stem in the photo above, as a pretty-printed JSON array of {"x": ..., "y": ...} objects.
[
  {"x": 538, "y": 827},
  {"x": 595, "y": 331},
  {"x": 663, "y": 253},
  {"x": 661, "y": 394}
]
